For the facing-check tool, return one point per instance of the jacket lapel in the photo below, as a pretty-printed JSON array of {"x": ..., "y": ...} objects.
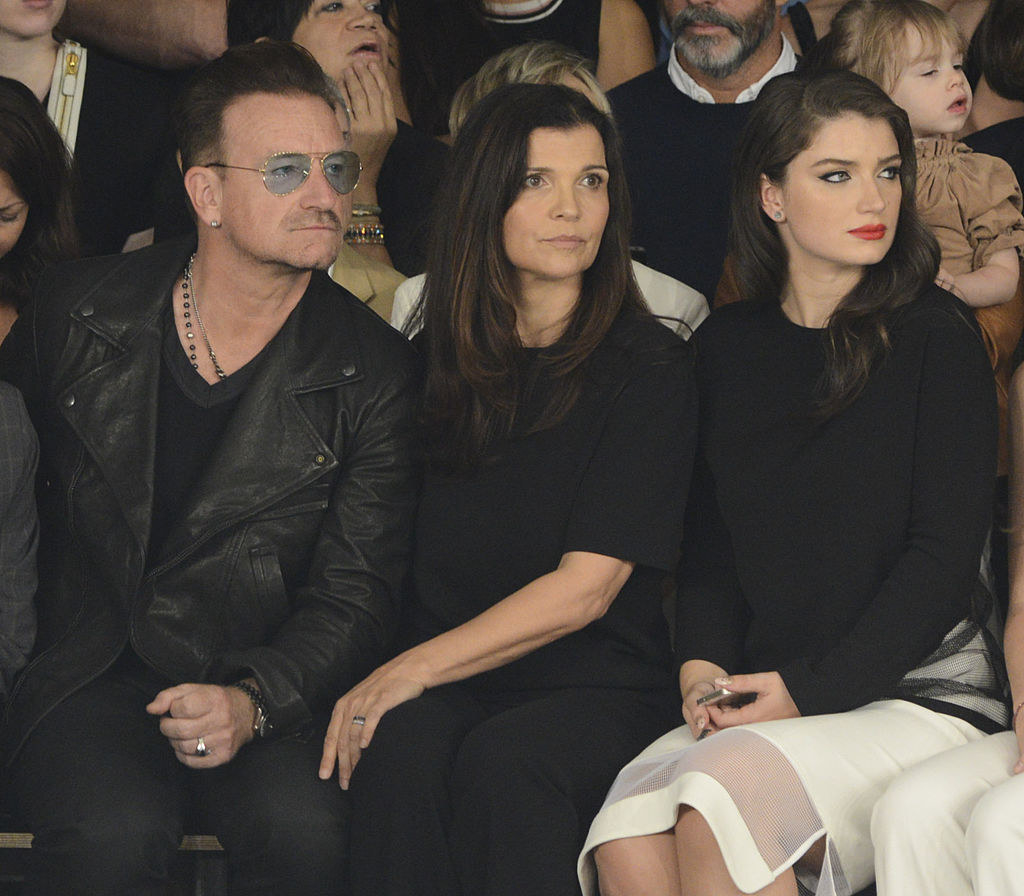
[
  {"x": 271, "y": 448},
  {"x": 112, "y": 406}
]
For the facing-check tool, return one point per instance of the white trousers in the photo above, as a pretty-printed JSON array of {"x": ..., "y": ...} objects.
[{"x": 954, "y": 824}]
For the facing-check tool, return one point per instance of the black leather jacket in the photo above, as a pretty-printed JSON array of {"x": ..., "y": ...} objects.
[{"x": 288, "y": 560}]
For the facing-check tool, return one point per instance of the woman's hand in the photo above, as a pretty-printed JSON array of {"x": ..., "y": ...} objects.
[
  {"x": 697, "y": 717},
  {"x": 772, "y": 700},
  {"x": 696, "y": 679},
  {"x": 357, "y": 714},
  {"x": 372, "y": 116}
]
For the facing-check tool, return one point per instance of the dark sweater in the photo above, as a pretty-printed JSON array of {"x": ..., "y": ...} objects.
[
  {"x": 678, "y": 156},
  {"x": 841, "y": 553}
]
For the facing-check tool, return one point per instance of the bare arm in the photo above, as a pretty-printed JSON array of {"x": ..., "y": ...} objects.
[
  {"x": 625, "y": 47},
  {"x": 1013, "y": 636},
  {"x": 565, "y": 600},
  {"x": 372, "y": 116},
  {"x": 992, "y": 284},
  {"x": 160, "y": 33}
]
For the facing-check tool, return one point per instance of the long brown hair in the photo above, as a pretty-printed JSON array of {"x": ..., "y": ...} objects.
[
  {"x": 34, "y": 157},
  {"x": 467, "y": 309},
  {"x": 784, "y": 121}
]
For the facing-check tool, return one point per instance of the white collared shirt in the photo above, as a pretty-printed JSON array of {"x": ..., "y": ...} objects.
[{"x": 785, "y": 63}]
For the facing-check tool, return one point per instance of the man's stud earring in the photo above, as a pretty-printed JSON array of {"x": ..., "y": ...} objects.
[{"x": 215, "y": 224}]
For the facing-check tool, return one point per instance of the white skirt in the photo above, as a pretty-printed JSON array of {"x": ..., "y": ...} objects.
[{"x": 772, "y": 789}]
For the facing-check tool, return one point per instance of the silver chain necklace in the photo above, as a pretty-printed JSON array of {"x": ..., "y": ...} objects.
[{"x": 188, "y": 290}]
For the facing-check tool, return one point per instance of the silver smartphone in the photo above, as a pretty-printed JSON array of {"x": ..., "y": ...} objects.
[{"x": 725, "y": 697}]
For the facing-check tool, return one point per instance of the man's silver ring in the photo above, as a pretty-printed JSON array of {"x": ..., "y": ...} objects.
[
  {"x": 201, "y": 749},
  {"x": 358, "y": 720}
]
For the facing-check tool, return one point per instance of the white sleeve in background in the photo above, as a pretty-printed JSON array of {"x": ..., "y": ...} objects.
[{"x": 674, "y": 303}]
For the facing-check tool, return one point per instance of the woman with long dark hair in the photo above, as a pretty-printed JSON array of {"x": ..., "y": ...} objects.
[
  {"x": 36, "y": 223},
  {"x": 832, "y": 628},
  {"x": 560, "y": 420}
]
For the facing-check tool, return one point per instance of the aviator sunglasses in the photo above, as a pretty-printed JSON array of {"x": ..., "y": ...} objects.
[{"x": 285, "y": 172}]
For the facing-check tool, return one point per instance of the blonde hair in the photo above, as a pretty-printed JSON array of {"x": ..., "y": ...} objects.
[
  {"x": 869, "y": 37},
  {"x": 537, "y": 62}
]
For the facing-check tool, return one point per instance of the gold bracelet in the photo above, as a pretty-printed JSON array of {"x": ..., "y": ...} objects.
[
  {"x": 363, "y": 210},
  {"x": 365, "y": 234}
]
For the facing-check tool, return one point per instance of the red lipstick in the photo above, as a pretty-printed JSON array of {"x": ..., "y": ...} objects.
[{"x": 869, "y": 231}]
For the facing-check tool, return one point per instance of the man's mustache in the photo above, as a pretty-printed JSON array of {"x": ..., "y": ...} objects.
[
  {"x": 319, "y": 219},
  {"x": 702, "y": 15}
]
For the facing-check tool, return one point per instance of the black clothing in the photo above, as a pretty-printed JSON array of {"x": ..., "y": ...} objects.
[
  {"x": 803, "y": 28},
  {"x": 574, "y": 23},
  {"x": 503, "y": 772},
  {"x": 287, "y": 559},
  {"x": 492, "y": 794},
  {"x": 412, "y": 169},
  {"x": 591, "y": 483},
  {"x": 124, "y": 140},
  {"x": 678, "y": 157},
  {"x": 1005, "y": 140},
  {"x": 191, "y": 418},
  {"x": 108, "y": 802},
  {"x": 841, "y": 553}
]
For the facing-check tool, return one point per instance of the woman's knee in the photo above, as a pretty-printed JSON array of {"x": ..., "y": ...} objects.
[
  {"x": 995, "y": 830},
  {"x": 912, "y": 807},
  {"x": 637, "y": 865}
]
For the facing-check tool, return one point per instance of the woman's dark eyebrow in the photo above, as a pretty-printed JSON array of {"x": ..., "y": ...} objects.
[{"x": 895, "y": 157}]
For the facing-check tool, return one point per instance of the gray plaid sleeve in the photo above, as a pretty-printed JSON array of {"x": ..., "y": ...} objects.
[{"x": 19, "y": 535}]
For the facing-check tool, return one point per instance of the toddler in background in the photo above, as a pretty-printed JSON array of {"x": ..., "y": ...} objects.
[{"x": 971, "y": 201}]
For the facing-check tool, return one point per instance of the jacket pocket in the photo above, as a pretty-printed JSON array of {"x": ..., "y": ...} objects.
[{"x": 269, "y": 585}]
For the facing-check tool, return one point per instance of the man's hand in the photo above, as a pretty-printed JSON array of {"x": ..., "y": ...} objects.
[{"x": 221, "y": 716}]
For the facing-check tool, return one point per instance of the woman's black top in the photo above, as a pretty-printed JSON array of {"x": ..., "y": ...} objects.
[
  {"x": 837, "y": 553},
  {"x": 611, "y": 478}
]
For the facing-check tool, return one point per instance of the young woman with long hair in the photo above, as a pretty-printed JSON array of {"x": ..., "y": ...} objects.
[{"x": 832, "y": 628}]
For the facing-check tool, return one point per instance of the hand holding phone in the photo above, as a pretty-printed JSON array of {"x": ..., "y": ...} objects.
[{"x": 725, "y": 698}]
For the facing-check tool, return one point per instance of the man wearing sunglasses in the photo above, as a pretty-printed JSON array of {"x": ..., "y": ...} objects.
[{"x": 228, "y": 476}]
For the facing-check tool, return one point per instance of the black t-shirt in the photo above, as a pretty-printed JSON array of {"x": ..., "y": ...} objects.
[
  {"x": 610, "y": 478},
  {"x": 192, "y": 416}
]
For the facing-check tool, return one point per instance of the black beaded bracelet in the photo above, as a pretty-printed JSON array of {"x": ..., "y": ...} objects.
[{"x": 260, "y": 725}]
